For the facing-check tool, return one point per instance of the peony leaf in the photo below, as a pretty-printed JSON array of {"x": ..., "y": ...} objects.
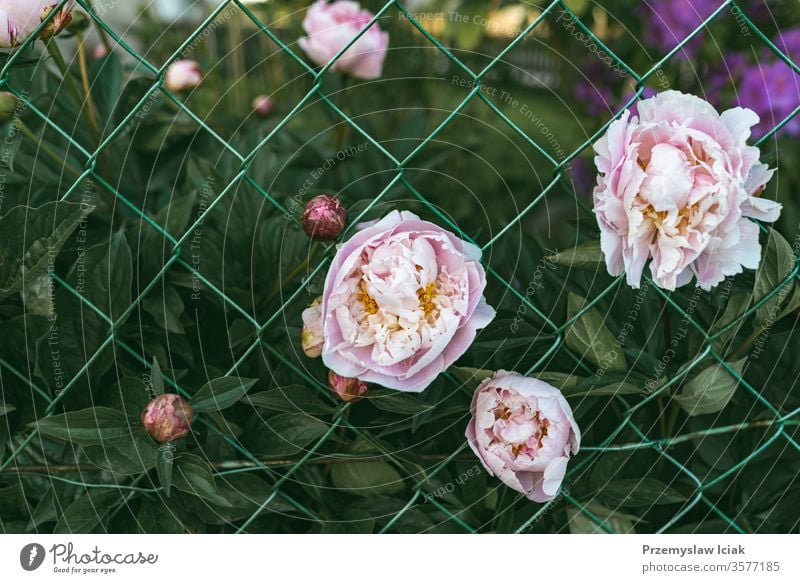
[
  {"x": 591, "y": 339},
  {"x": 29, "y": 237},
  {"x": 291, "y": 399},
  {"x": 470, "y": 377},
  {"x": 586, "y": 256},
  {"x": 87, "y": 512},
  {"x": 710, "y": 390},
  {"x": 289, "y": 433},
  {"x": 93, "y": 426},
  {"x": 396, "y": 402},
  {"x": 221, "y": 393},
  {"x": 777, "y": 262},
  {"x": 582, "y": 523},
  {"x": 6, "y": 409},
  {"x": 639, "y": 492},
  {"x": 193, "y": 475},
  {"x": 367, "y": 478}
]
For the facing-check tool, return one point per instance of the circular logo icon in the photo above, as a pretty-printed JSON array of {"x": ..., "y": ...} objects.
[{"x": 31, "y": 556}]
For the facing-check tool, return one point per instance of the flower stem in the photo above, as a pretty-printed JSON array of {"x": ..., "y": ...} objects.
[
  {"x": 100, "y": 30},
  {"x": 87, "y": 90}
]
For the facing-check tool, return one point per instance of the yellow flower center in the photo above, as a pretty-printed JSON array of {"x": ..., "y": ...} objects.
[
  {"x": 426, "y": 296},
  {"x": 370, "y": 305}
]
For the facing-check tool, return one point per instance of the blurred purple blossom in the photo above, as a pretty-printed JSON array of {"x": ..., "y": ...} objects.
[
  {"x": 769, "y": 87},
  {"x": 668, "y": 22},
  {"x": 772, "y": 90}
]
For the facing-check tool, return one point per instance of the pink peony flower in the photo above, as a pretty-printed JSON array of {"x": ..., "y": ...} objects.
[
  {"x": 523, "y": 432},
  {"x": 20, "y": 18},
  {"x": 346, "y": 389},
  {"x": 167, "y": 417},
  {"x": 330, "y": 27},
  {"x": 403, "y": 300},
  {"x": 677, "y": 185},
  {"x": 311, "y": 335},
  {"x": 183, "y": 75}
]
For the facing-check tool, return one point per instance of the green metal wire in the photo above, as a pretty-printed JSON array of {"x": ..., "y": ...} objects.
[{"x": 420, "y": 484}]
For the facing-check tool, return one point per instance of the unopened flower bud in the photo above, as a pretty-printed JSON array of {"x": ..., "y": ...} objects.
[
  {"x": 99, "y": 52},
  {"x": 324, "y": 217},
  {"x": 8, "y": 105},
  {"x": 311, "y": 335},
  {"x": 263, "y": 105},
  {"x": 183, "y": 75},
  {"x": 58, "y": 23},
  {"x": 167, "y": 417},
  {"x": 80, "y": 22},
  {"x": 346, "y": 389}
]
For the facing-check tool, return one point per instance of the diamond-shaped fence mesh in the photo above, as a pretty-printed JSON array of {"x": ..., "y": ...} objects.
[{"x": 774, "y": 420}]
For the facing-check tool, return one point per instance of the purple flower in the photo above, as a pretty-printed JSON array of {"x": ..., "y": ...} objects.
[
  {"x": 788, "y": 41},
  {"x": 772, "y": 90},
  {"x": 668, "y": 22},
  {"x": 723, "y": 75}
]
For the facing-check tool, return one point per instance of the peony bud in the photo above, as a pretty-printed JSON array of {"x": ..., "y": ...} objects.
[
  {"x": 8, "y": 105},
  {"x": 183, "y": 75},
  {"x": 58, "y": 23},
  {"x": 99, "y": 52},
  {"x": 345, "y": 388},
  {"x": 311, "y": 335},
  {"x": 167, "y": 417},
  {"x": 324, "y": 217},
  {"x": 78, "y": 23},
  {"x": 263, "y": 105}
]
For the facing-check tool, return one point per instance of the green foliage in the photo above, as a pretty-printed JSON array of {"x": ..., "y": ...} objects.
[{"x": 166, "y": 230}]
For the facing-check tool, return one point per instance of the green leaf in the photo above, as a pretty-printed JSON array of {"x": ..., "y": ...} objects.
[
  {"x": 608, "y": 385},
  {"x": 193, "y": 476},
  {"x": 369, "y": 478},
  {"x": 396, "y": 402},
  {"x": 105, "y": 77},
  {"x": 290, "y": 433},
  {"x": 710, "y": 390},
  {"x": 88, "y": 512},
  {"x": 156, "y": 377},
  {"x": 591, "y": 339},
  {"x": 93, "y": 426},
  {"x": 470, "y": 377},
  {"x": 567, "y": 383},
  {"x": 29, "y": 237},
  {"x": 221, "y": 393},
  {"x": 586, "y": 256},
  {"x": 164, "y": 465},
  {"x": 291, "y": 399},
  {"x": 6, "y": 409},
  {"x": 132, "y": 456},
  {"x": 581, "y": 523},
  {"x": 736, "y": 306},
  {"x": 777, "y": 262},
  {"x": 639, "y": 492},
  {"x": 166, "y": 309}
]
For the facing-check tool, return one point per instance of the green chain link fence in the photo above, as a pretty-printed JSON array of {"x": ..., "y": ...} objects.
[{"x": 777, "y": 423}]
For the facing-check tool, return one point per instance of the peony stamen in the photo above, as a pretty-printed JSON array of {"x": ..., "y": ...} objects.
[
  {"x": 370, "y": 305},
  {"x": 426, "y": 296}
]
